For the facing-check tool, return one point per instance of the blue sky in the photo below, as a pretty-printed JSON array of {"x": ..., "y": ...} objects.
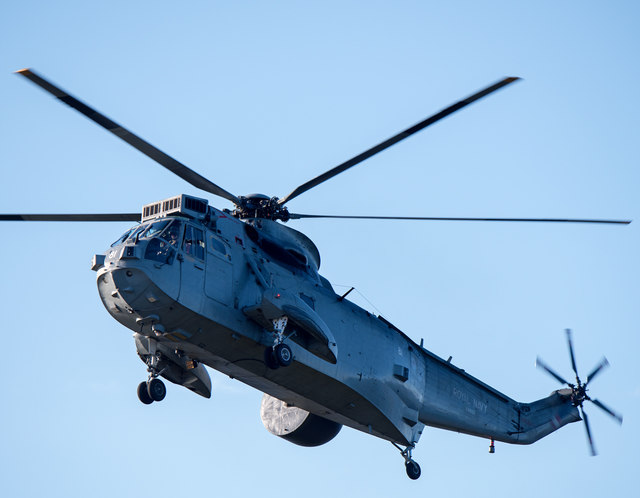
[{"x": 261, "y": 97}]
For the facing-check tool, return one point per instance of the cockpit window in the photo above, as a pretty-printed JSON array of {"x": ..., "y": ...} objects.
[
  {"x": 134, "y": 234},
  {"x": 164, "y": 237},
  {"x": 172, "y": 233},
  {"x": 160, "y": 251},
  {"x": 123, "y": 237},
  {"x": 154, "y": 229}
]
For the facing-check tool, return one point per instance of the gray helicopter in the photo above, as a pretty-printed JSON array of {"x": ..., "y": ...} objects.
[{"x": 239, "y": 291}]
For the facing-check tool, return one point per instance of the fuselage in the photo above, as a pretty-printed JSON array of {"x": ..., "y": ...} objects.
[{"x": 209, "y": 288}]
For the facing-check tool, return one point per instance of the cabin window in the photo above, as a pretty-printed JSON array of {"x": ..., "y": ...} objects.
[
  {"x": 217, "y": 245},
  {"x": 194, "y": 242}
]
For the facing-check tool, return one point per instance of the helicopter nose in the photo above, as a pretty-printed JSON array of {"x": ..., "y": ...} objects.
[
  {"x": 122, "y": 291},
  {"x": 113, "y": 286}
]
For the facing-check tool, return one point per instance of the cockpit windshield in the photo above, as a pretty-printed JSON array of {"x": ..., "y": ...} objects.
[
  {"x": 163, "y": 248},
  {"x": 154, "y": 229},
  {"x": 164, "y": 237},
  {"x": 123, "y": 237},
  {"x": 134, "y": 234}
]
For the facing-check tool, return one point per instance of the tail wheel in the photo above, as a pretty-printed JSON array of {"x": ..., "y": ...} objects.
[{"x": 413, "y": 469}]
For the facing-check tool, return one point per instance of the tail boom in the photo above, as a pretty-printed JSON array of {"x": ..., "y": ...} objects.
[
  {"x": 457, "y": 401},
  {"x": 540, "y": 418}
]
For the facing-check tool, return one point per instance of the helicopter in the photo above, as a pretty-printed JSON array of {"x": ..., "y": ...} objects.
[{"x": 239, "y": 291}]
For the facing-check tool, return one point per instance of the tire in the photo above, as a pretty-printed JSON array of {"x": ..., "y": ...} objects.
[
  {"x": 283, "y": 355},
  {"x": 413, "y": 470},
  {"x": 270, "y": 359},
  {"x": 143, "y": 394},
  {"x": 156, "y": 389}
]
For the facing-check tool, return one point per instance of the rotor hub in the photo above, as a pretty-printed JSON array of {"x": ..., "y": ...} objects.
[
  {"x": 577, "y": 397},
  {"x": 261, "y": 206},
  {"x": 579, "y": 394}
]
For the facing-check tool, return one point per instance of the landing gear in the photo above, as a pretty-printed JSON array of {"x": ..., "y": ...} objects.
[
  {"x": 143, "y": 394},
  {"x": 410, "y": 465},
  {"x": 280, "y": 354},
  {"x": 156, "y": 389},
  {"x": 270, "y": 358},
  {"x": 153, "y": 389},
  {"x": 413, "y": 469},
  {"x": 283, "y": 355}
]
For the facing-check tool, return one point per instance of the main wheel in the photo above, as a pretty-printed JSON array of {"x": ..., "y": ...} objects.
[
  {"x": 413, "y": 469},
  {"x": 283, "y": 355},
  {"x": 143, "y": 394},
  {"x": 156, "y": 389},
  {"x": 270, "y": 358}
]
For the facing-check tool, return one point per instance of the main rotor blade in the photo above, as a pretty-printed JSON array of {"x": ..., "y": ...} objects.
[
  {"x": 607, "y": 409},
  {"x": 298, "y": 216},
  {"x": 586, "y": 426},
  {"x": 395, "y": 139},
  {"x": 603, "y": 364},
  {"x": 573, "y": 358},
  {"x": 541, "y": 364},
  {"x": 72, "y": 217},
  {"x": 135, "y": 141}
]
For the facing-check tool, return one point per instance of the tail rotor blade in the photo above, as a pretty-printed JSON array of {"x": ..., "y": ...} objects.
[
  {"x": 603, "y": 364},
  {"x": 579, "y": 394},
  {"x": 541, "y": 364},
  {"x": 607, "y": 409},
  {"x": 573, "y": 358},
  {"x": 589, "y": 438}
]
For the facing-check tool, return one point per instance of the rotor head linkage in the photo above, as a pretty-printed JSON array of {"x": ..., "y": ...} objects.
[{"x": 260, "y": 206}]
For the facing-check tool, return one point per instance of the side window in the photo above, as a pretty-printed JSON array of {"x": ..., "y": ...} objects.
[
  {"x": 172, "y": 233},
  {"x": 194, "y": 242},
  {"x": 217, "y": 245}
]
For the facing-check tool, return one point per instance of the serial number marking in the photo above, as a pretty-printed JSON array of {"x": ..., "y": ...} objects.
[{"x": 472, "y": 402}]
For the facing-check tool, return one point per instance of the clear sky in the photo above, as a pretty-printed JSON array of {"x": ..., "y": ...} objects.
[{"x": 261, "y": 97}]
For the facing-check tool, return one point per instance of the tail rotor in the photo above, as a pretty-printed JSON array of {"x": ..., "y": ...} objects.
[{"x": 579, "y": 390}]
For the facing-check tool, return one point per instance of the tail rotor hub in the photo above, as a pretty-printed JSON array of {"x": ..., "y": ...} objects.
[
  {"x": 579, "y": 390},
  {"x": 579, "y": 394}
]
